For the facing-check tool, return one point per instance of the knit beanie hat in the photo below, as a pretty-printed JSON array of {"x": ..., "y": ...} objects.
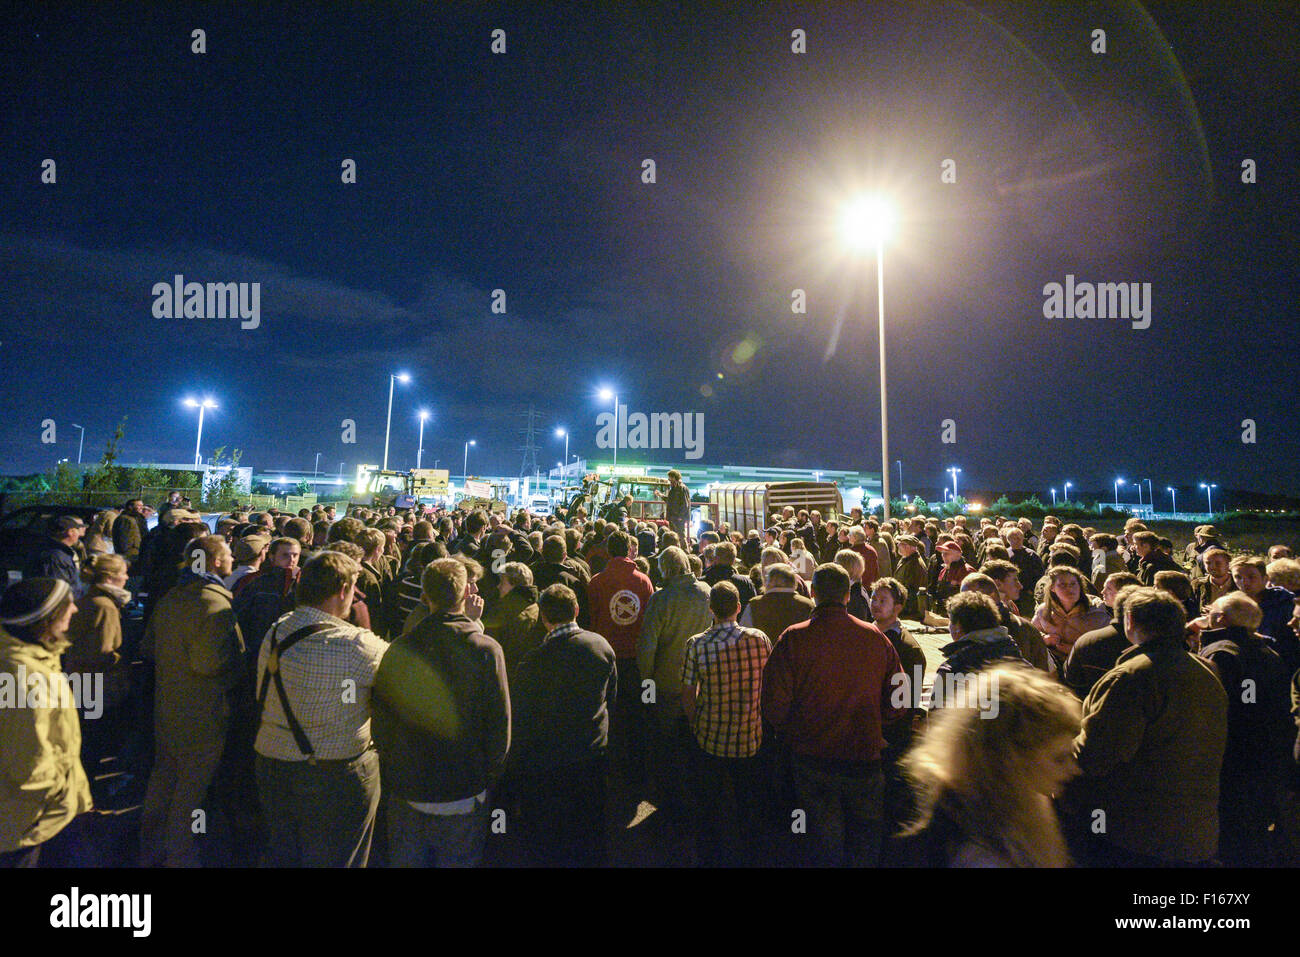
[{"x": 31, "y": 600}]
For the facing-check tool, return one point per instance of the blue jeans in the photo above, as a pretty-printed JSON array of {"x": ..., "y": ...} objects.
[
  {"x": 319, "y": 815},
  {"x": 845, "y": 813},
  {"x": 417, "y": 839}
]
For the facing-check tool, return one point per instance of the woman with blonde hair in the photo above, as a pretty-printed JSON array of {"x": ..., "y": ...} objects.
[
  {"x": 985, "y": 774},
  {"x": 1068, "y": 611},
  {"x": 94, "y": 654}
]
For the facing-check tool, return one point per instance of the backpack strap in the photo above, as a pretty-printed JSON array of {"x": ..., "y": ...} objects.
[{"x": 273, "y": 673}]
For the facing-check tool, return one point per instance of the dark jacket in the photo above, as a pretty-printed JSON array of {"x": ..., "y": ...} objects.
[
  {"x": 1156, "y": 561},
  {"x": 514, "y": 624},
  {"x": 1092, "y": 655},
  {"x": 129, "y": 531},
  {"x": 969, "y": 655},
  {"x": 561, "y": 700},
  {"x": 898, "y": 734},
  {"x": 743, "y": 585},
  {"x": 1277, "y": 604},
  {"x": 260, "y": 599},
  {"x": 556, "y": 573},
  {"x": 1259, "y": 726},
  {"x": 912, "y": 574},
  {"x": 441, "y": 711},
  {"x": 56, "y": 560},
  {"x": 1151, "y": 746}
]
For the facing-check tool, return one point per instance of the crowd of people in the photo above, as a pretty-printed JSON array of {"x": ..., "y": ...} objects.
[{"x": 398, "y": 686}]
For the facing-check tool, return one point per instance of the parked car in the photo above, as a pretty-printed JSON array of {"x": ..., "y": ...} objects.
[{"x": 26, "y": 529}]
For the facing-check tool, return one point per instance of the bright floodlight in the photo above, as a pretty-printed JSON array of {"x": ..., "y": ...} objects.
[
  {"x": 867, "y": 221},
  {"x": 560, "y": 433},
  {"x": 424, "y": 415},
  {"x": 472, "y": 442},
  {"x": 403, "y": 377},
  {"x": 606, "y": 394}
]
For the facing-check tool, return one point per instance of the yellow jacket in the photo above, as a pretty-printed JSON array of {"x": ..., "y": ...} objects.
[{"x": 42, "y": 783}]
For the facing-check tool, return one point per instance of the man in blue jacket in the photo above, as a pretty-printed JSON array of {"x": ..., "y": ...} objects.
[{"x": 58, "y": 558}]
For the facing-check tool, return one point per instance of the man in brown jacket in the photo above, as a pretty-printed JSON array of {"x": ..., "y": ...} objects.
[
  {"x": 780, "y": 605},
  {"x": 196, "y": 646},
  {"x": 1152, "y": 742}
]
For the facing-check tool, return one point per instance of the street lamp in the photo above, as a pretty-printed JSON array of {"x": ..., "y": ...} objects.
[
  {"x": 1053, "y": 498},
  {"x": 1173, "y": 494},
  {"x": 1151, "y": 499},
  {"x": 81, "y": 443},
  {"x": 867, "y": 222},
  {"x": 953, "y": 471},
  {"x": 1138, "y": 485},
  {"x": 419, "y": 452},
  {"x": 316, "y": 471},
  {"x": 900, "y": 479},
  {"x": 202, "y": 407},
  {"x": 403, "y": 378},
  {"x": 465, "y": 473},
  {"x": 1209, "y": 497},
  {"x": 1118, "y": 482},
  {"x": 607, "y": 394},
  {"x": 564, "y": 434},
  {"x": 1066, "y": 492}
]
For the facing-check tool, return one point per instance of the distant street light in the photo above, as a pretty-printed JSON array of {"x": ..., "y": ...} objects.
[
  {"x": 954, "y": 470},
  {"x": 403, "y": 378},
  {"x": 202, "y": 407},
  {"x": 465, "y": 473},
  {"x": 81, "y": 443},
  {"x": 606, "y": 394},
  {"x": 1053, "y": 498},
  {"x": 1151, "y": 498},
  {"x": 564, "y": 433},
  {"x": 1138, "y": 485},
  {"x": 1066, "y": 494},
  {"x": 1173, "y": 494},
  {"x": 900, "y": 480},
  {"x": 1118, "y": 482},
  {"x": 419, "y": 453},
  {"x": 316, "y": 472},
  {"x": 1209, "y": 497},
  {"x": 866, "y": 223}
]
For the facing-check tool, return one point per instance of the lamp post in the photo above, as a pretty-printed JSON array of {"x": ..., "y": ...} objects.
[
  {"x": 1118, "y": 482},
  {"x": 403, "y": 378},
  {"x": 1066, "y": 493},
  {"x": 81, "y": 443},
  {"x": 1151, "y": 498},
  {"x": 202, "y": 407},
  {"x": 419, "y": 452},
  {"x": 316, "y": 471},
  {"x": 900, "y": 480},
  {"x": 953, "y": 471},
  {"x": 564, "y": 433},
  {"x": 1138, "y": 485},
  {"x": 465, "y": 474},
  {"x": 1209, "y": 497},
  {"x": 1173, "y": 494},
  {"x": 1053, "y": 498},
  {"x": 867, "y": 222},
  {"x": 606, "y": 395}
]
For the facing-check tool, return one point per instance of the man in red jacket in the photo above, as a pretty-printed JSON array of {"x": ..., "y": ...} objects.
[
  {"x": 617, "y": 598},
  {"x": 829, "y": 687}
]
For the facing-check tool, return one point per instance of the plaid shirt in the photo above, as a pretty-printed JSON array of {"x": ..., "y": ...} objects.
[
  {"x": 327, "y": 678},
  {"x": 727, "y": 663}
]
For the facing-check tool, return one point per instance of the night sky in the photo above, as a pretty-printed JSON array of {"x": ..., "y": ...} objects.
[{"x": 522, "y": 172}]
